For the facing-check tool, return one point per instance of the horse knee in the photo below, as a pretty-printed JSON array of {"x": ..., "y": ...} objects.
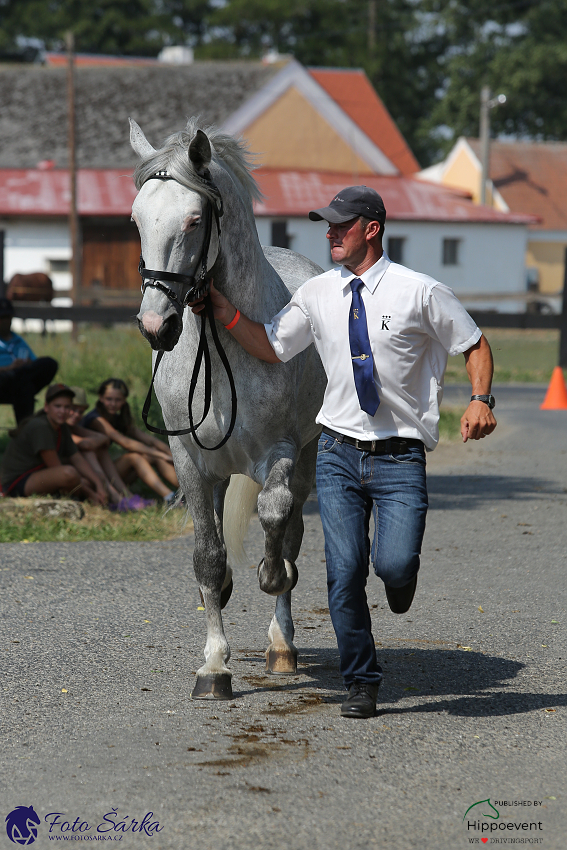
[{"x": 275, "y": 507}]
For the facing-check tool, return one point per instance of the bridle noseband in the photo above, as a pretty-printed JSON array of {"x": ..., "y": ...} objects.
[{"x": 196, "y": 287}]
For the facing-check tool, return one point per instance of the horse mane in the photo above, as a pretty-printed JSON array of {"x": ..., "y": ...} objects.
[{"x": 173, "y": 157}]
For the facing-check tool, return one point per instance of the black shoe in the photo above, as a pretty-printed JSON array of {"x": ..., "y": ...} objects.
[
  {"x": 361, "y": 700},
  {"x": 400, "y": 598}
]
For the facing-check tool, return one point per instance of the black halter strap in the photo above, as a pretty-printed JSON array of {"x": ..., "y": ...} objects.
[{"x": 155, "y": 279}]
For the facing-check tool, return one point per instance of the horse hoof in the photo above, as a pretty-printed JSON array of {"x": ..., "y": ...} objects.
[
  {"x": 281, "y": 661},
  {"x": 215, "y": 686},
  {"x": 226, "y": 593}
]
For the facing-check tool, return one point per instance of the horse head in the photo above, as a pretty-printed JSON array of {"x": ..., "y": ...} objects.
[{"x": 175, "y": 211}]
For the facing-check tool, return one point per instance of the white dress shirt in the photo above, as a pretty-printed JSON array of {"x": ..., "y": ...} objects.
[{"x": 414, "y": 323}]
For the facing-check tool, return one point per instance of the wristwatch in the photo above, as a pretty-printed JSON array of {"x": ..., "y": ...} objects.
[{"x": 487, "y": 399}]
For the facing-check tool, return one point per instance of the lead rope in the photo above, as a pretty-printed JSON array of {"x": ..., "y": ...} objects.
[{"x": 203, "y": 354}]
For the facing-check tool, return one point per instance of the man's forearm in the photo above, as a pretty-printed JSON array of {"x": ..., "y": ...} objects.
[
  {"x": 253, "y": 338},
  {"x": 480, "y": 367}
]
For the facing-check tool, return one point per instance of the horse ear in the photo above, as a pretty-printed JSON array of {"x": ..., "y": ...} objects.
[
  {"x": 200, "y": 151},
  {"x": 139, "y": 142}
]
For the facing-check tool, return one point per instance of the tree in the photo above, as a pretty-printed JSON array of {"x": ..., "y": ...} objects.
[{"x": 518, "y": 48}]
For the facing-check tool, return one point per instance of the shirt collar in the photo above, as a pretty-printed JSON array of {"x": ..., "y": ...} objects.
[{"x": 371, "y": 277}]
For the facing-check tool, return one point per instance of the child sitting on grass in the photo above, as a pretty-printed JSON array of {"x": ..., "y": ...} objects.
[
  {"x": 42, "y": 458},
  {"x": 112, "y": 417},
  {"x": 94, "y": 447}
]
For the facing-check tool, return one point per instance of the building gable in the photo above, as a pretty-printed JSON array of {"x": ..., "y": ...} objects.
[
  {"x": 354, "y": 93},
  {"x": 291, "y": 133},
  {"x": 242, "y": 121}
]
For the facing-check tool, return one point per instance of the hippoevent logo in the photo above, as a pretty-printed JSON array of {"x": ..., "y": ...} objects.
[
  {"x": 22, "y": 826},
  {"x": 484, "y": 819}
]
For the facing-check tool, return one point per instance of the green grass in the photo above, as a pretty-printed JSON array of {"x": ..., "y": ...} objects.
[
  {"x": 450, "y": 424},
  {"x": 520, "y": 356},
  {"x": 98, "y": 524}
]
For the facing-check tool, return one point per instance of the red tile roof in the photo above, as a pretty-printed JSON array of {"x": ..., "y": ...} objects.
[
  {"x": 37, "y": 192},
  {"x": 353, "y": 92},
  {"x": 110, "y": 192},
  {"x": 294, "y": 193},
  {"x": 532, "y": 178}
]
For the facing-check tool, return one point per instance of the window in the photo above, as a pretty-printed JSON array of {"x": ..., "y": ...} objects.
[
  {"x": 451, "y": 252},
  {"x": 59, "y": 265},
  {"x": 280, "y": 236},
  {"x": 396, "y": 248}
]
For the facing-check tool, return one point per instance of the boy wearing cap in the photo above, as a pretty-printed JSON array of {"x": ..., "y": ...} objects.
[
  {"x": 33, "y": 460},
  {"x": 383, "y": 333},
  {"x": 22, "y": 374}
]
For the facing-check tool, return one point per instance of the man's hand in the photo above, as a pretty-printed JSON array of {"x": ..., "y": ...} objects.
[
  {"x": 223, "y": 310},
  {"x": 477, "y": 421}
]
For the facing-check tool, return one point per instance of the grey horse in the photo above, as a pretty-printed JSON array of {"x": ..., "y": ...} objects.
[{"x": 272, "y": 450}]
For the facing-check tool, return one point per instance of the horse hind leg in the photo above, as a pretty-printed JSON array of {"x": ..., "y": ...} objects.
[
  {"x": 276, "y": 575},
  {"x": 281, "y": 654}
]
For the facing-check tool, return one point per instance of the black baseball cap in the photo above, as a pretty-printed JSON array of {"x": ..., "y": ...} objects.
[
  {"x": 350, "y": 203},
  {"x": 6, "y": 307},
  {"x": 55, "y": 390}
]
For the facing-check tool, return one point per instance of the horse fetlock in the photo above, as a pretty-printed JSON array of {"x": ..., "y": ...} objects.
[{"x": 275, "y": 581}]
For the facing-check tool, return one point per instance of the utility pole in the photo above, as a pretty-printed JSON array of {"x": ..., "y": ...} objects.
[
  {"x": 371, "y": 26},
  {"x": 486, "y": 104},
  {"x": 74, "y": 224}
]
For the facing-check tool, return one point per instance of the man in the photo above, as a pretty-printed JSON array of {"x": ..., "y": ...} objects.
[
  {"x": 383, "y": 333},
  {"x": 22, "y": 374}
]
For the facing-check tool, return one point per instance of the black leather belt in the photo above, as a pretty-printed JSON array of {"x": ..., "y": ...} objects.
[{"x": 376, "y": 447}]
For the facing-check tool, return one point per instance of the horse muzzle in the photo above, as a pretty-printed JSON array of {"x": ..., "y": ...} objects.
[{"x": 162, "y": 332}]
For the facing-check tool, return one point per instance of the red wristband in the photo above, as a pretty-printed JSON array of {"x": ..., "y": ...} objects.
[{"x": 230, "y": 326}]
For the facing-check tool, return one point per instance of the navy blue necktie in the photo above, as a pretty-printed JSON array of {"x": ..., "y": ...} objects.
[{"x": 361, "y": 353}]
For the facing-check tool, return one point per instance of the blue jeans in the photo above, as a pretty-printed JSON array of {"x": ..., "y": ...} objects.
[{"x": 352, "y": 484}]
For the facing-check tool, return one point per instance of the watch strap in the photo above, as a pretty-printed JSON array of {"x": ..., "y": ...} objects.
[{"x": 487, "y": 399}]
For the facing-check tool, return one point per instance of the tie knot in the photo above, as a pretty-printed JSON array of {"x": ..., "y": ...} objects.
[{"x": 356, "y": 284}]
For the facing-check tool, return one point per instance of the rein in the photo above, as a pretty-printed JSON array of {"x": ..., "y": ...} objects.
[{"x": 196, "y": 288}]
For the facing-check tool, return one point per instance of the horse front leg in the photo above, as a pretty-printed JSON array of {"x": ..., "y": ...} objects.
[{"x": 214, "y": 679}]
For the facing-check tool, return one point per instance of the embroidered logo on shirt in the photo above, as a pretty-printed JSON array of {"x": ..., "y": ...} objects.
[{"x": 385, "y": 320}]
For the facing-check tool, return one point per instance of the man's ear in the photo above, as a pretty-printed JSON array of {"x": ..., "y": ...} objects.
[{"x": 374, "y": 229}]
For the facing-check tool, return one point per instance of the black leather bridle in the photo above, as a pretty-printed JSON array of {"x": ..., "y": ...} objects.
[{"x": 193, "y": 287}]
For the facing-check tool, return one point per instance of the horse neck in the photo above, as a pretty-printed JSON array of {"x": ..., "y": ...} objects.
[{"x": 241, "y": 271}]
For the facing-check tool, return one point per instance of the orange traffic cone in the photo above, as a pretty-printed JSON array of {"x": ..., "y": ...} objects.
[{"x": 556, "y": 396}]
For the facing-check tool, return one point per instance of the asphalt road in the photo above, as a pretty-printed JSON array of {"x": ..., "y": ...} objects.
[{"x": 100, "y": 643}]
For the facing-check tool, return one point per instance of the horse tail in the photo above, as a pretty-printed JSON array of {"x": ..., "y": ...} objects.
[{"x": 240, "y": 500}]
